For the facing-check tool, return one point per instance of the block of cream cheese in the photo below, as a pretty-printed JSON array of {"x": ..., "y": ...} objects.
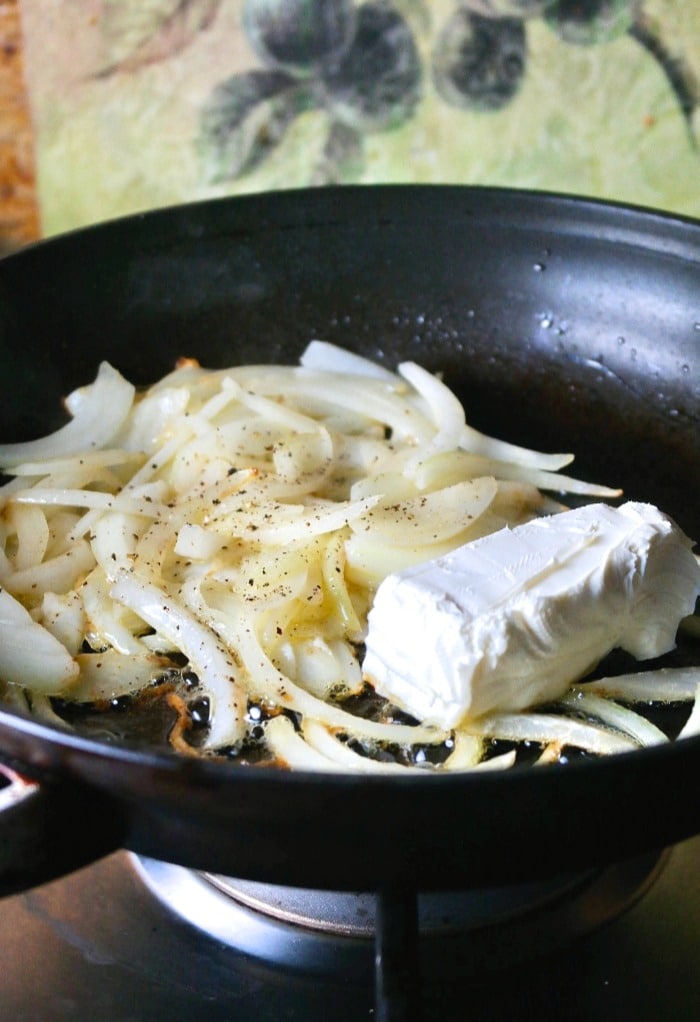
[{"x": 513, "y": 619}]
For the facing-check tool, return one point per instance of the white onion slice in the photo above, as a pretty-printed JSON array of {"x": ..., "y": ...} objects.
[
  {"x": 692, "y": 724},
  {"x": 29, "y": 654},
  {"x": 342, "y": 756},
  {"x": 213, "y": 664},
  {"x": 269, "y": 684},
  {"x": 662, "y": 685},
  {"x": 613, "y": 715},
  {"x": 99, "y": 414},
  {"x": 138, "y": 503},
  {"x": 320, "y": 356},
  {"x": 108, "y": 675},
  {"x": 428, "y": 518},
  {"x": 57, "y": 575},
  {"x": 445, "y": 408},
  {"x": 285, "y": 743},
  {"x": 541, "y": 727}
]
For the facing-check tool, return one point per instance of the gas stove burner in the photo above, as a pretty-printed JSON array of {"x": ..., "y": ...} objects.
[
  {"x": 324, "y": 932},
  {"x": 354, "y": 915}
]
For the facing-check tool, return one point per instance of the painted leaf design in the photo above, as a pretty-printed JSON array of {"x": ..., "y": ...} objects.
[
  {"x": 246, "y": 117},
  {"x": 141, "y": 32},
  {"x": 343, "y": 157}
]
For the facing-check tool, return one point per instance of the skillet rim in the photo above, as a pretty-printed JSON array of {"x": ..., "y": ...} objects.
[
  {"x": 212, "y": 769},
  {"x": 610, "y": 210},
  {"x": 628, "y": 225}
]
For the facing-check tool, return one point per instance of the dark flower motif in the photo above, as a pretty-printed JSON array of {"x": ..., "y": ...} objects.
[
  {"x": 377, "y": 84},
  {"x": 358, "y": 64},
  {"x": 299, "y": 35},
  {"x": 480, "y": 54},
  {"x": 479, "y": 62},
  {"x": 586, "y": 22}
]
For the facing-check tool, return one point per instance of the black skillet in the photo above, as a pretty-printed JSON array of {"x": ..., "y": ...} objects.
[{"x": 563, "y": 324}]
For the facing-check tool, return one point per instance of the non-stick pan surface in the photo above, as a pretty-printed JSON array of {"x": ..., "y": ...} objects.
[{"x": 562, "y": 323}]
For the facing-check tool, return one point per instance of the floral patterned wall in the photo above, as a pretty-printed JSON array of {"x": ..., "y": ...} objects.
[{"x": 143, "y": 103}]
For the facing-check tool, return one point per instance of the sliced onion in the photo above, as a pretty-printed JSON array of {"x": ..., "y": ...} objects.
[
  {"x": 32, "y": 531},
  {"x": 247, "y": 469},
  {"x": 91, "y": 460},
  {"x": 217, "y": 671},
  {"x": 292, "y": 523},
  {"x": 662, "y": 685},
  {"x": 692, "y": 724},
  {"x": 269, "y": 684},
  {"x": 99, "y": 413},
  {"x": 144, "y": 502},
  {"x": 320, "y": 356},
  {"x": 29, "y": 654},
  {"x": 285, "y": 743},
  {"x": 58, "y": 574},
  {"x": 466, "y": 753},
  {"x": 342, "y": 756},
  {"x": 545, "y": 728},
  {"x": 502, "y": 762},
  {"x": 109, "y": 675},
  {"x": 445, "y": 408},
  {"x": 104, "y": 617},
  {"x": 464, "y": 464},
  {"x": 478, "y": 443},
  {"x": 63, "y": 615},
  {"x": 429, "y": 518},
  {"x": 615, "y": 716}
]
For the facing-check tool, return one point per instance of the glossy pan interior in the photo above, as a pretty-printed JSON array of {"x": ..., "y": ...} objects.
[{"x": 562, "y": 323}]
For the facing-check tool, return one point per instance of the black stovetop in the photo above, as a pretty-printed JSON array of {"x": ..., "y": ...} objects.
[{"x": 98, "y": 945}]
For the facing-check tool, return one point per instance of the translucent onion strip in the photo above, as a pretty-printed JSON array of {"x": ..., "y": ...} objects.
[
  {"x": 445, "y": 408},
  {"x": 105, "y": 624},
  {"x": 270, "y": 685},
  {"x": 692, "y": 725},
  {"x": 328, "y": 358},
  {"x": 611, "y": 714},
  {"x": 217, "y": 671},
  {"x": 32, "y": 531},
  {"x": 463, "y": 464},
  {"x": 105, "y": 676},
  {"x": 663, "y": 685},
  {"x": 135, "y": 504},
  {"x": 29, "y": 654},
  {"x": 286, "y": 744},
  {"x": 545, "y": 728},
  {"x": 343, "y": 757},
  {"x": 57, "y": 575},
  {"x": 99, "y": 413},
  {"x": 89, "y": 460},
  {"x": 429, "y": 518}
]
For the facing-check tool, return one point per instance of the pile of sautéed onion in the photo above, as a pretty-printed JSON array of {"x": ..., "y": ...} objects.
[{"x": 212, "y": 544}]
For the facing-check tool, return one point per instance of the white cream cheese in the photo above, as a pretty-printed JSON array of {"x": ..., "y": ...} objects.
[{"x": 511, "y": 620}]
